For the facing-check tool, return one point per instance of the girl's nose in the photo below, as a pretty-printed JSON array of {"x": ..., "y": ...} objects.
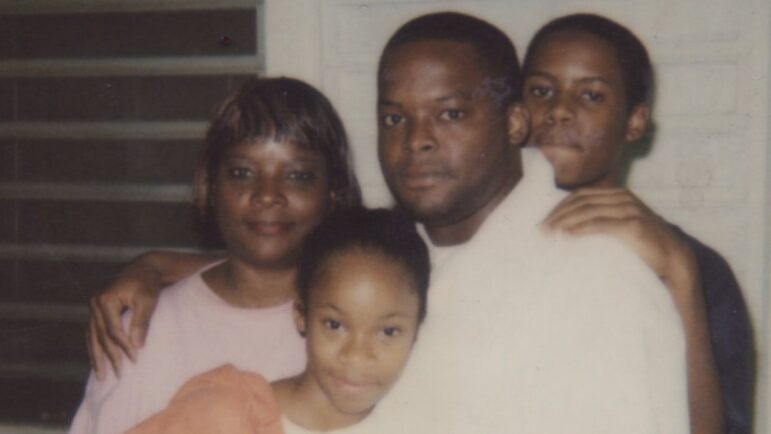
[{"x": 357, "y": 350}]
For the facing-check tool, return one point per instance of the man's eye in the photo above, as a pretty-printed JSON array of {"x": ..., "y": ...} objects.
[
  {"x": 332, "y": 324},
  {"x": 540, "y": 91},
  {"x": 452, "y": 115},
  {"x": 239, "y": 172},
  {"x": 391, "y": 331},
  {"x": 593, "y": 96},
  {"x": 391, "y": 120}
]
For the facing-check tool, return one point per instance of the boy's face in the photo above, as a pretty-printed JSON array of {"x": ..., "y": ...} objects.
[
  {"x": 442, "y": 139},
  {"x": 360, "y": 324},
  {"x": 267, "y": 196},
  {"x": 574, "y": 90}
]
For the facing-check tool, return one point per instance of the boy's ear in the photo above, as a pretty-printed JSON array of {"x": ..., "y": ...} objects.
[
  {"x": 298, "y": 314},
  {"x": 637, "y": 123},
  {"x": 518, "y": 123}
]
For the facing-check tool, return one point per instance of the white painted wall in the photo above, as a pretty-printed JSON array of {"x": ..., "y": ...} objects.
[{"x": 707, "y": 168}]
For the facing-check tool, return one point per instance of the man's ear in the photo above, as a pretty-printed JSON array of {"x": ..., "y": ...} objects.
[
  {"x": 637, "y": 123},
  {"x": 298, "y": 314},
  {"x": 518, "y": 123}
]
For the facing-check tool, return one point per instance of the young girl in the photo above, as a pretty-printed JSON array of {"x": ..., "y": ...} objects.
[
  {"x": 276, "y": 163},
  {"x": 362, "y": 284},
  {"x": 588, "y": 83}
]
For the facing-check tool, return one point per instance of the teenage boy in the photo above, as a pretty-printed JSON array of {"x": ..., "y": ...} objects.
[{"x": 587, "y": 86}]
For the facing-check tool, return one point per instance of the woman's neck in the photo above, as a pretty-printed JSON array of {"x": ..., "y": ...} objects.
[
  {"x": 303, "y": 402},
  {"x": 243, "y": 285}
]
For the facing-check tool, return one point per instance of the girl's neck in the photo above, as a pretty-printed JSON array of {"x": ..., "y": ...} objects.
[
  {"x": 303, "y": 402},
  {"x": 243, "y": 285}
]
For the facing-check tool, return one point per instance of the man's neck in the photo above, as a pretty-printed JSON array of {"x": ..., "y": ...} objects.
[{"x": 456, "y": 233}]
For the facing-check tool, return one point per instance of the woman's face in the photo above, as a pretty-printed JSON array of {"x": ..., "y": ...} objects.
[
  {"x": 267, "y": 197},
  {"x": 360, "y": 324}
]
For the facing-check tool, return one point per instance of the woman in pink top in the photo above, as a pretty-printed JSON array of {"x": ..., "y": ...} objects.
[
  {"x": 362, "y": 280},
  {"x": 276, "y": 163}
]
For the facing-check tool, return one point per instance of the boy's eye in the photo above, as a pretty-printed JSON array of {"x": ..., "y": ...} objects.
[
  {"x": 239, "y": 172},
  {"x": 332, "y": 324},
  {"x": 391, "y": 120},
  {"x": 540, "y": 91},
  {"x": 452, "y": 115},
  {"x": 391, "y": 331},
  {"x": 593, "y": 96}
]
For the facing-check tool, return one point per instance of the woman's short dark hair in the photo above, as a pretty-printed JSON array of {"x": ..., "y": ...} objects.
[
  {"x": 636, "y": 69},
  {"x": 387, "y": 233},
  {"x": 281, "y": 109}
]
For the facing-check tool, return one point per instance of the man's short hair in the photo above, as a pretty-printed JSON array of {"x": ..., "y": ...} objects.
[{"x": 493, "y": 47}]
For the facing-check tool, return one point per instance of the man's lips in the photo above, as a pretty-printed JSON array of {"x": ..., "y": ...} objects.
[
  {"x": 269, "y": 228},
  {"x": 421, "y": 178}
]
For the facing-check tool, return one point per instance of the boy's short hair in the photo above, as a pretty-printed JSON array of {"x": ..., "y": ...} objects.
[
  {"x": 387, "y": 233},
  {"x": 281, "y": 109},
  {"x": 632, "y": 56},
  {"x": 493, "y": 47}
]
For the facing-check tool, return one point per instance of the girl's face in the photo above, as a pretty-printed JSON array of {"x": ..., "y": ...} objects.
[
  {"x": 360, "y": 324},
  {"x": 267, "y": 196},
  {"x": 575, "y": 92}
]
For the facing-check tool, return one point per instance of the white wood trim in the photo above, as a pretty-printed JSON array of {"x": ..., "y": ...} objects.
[
  {"x": 78, "y": 252},
  {"x": 131, "y": 66},
  {"x": 169, "y": 193},
  {"x": 104, "y": 130},
  {"x": 40, "y": 7},
  {"x": 43, "y": 312}
]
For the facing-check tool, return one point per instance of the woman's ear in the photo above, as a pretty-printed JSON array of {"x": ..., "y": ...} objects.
[
  {"x": 637, "y": 123},
  {"x": 298, "y": 313},
  {"x": 518, "y": 123},
  {"x": 203, "y": 193}
]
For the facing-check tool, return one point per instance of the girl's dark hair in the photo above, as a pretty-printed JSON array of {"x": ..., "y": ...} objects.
[
  {"x": 387, "y": 233},
  {"x": 636, "y": 69},
  {"x": 494, "y": 48},
  {"x": 281, "y": 109}
]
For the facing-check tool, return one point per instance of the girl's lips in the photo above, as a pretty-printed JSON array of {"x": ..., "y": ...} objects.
[
  {"x": 269, "y": 228},
  {"x": 354, "y": 385}
]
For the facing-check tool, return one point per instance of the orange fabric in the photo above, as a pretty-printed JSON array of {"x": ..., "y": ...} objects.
[{"x": 221, "y": 401}]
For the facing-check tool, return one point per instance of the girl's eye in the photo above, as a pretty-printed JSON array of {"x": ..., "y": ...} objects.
[
  {"x": 392, "y": 120},
  {"x": 332, "y": 324},
  {"x": 239, "y": 172},
  {"x": 593, "y": 96},
  {"x": 391, "y": 331},
  {"x": 452, "y": 115},
  {"x": 540, "y": 91}
]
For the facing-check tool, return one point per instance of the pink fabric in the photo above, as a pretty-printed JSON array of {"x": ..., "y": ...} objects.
[
  {"x": 192, "y": 331},
  {"x": 223, "y": 400}
]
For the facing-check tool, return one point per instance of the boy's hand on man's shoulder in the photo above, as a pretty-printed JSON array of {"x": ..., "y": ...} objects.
[{"x": 618, "y": 212}]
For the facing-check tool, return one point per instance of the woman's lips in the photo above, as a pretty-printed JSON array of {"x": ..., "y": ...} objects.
[{"x": 269, "y": 228}]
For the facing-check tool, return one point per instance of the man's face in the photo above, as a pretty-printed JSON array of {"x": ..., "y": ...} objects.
[
  {"x": 574, "y": 90},
  {"x": 442, "y": 139}
]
